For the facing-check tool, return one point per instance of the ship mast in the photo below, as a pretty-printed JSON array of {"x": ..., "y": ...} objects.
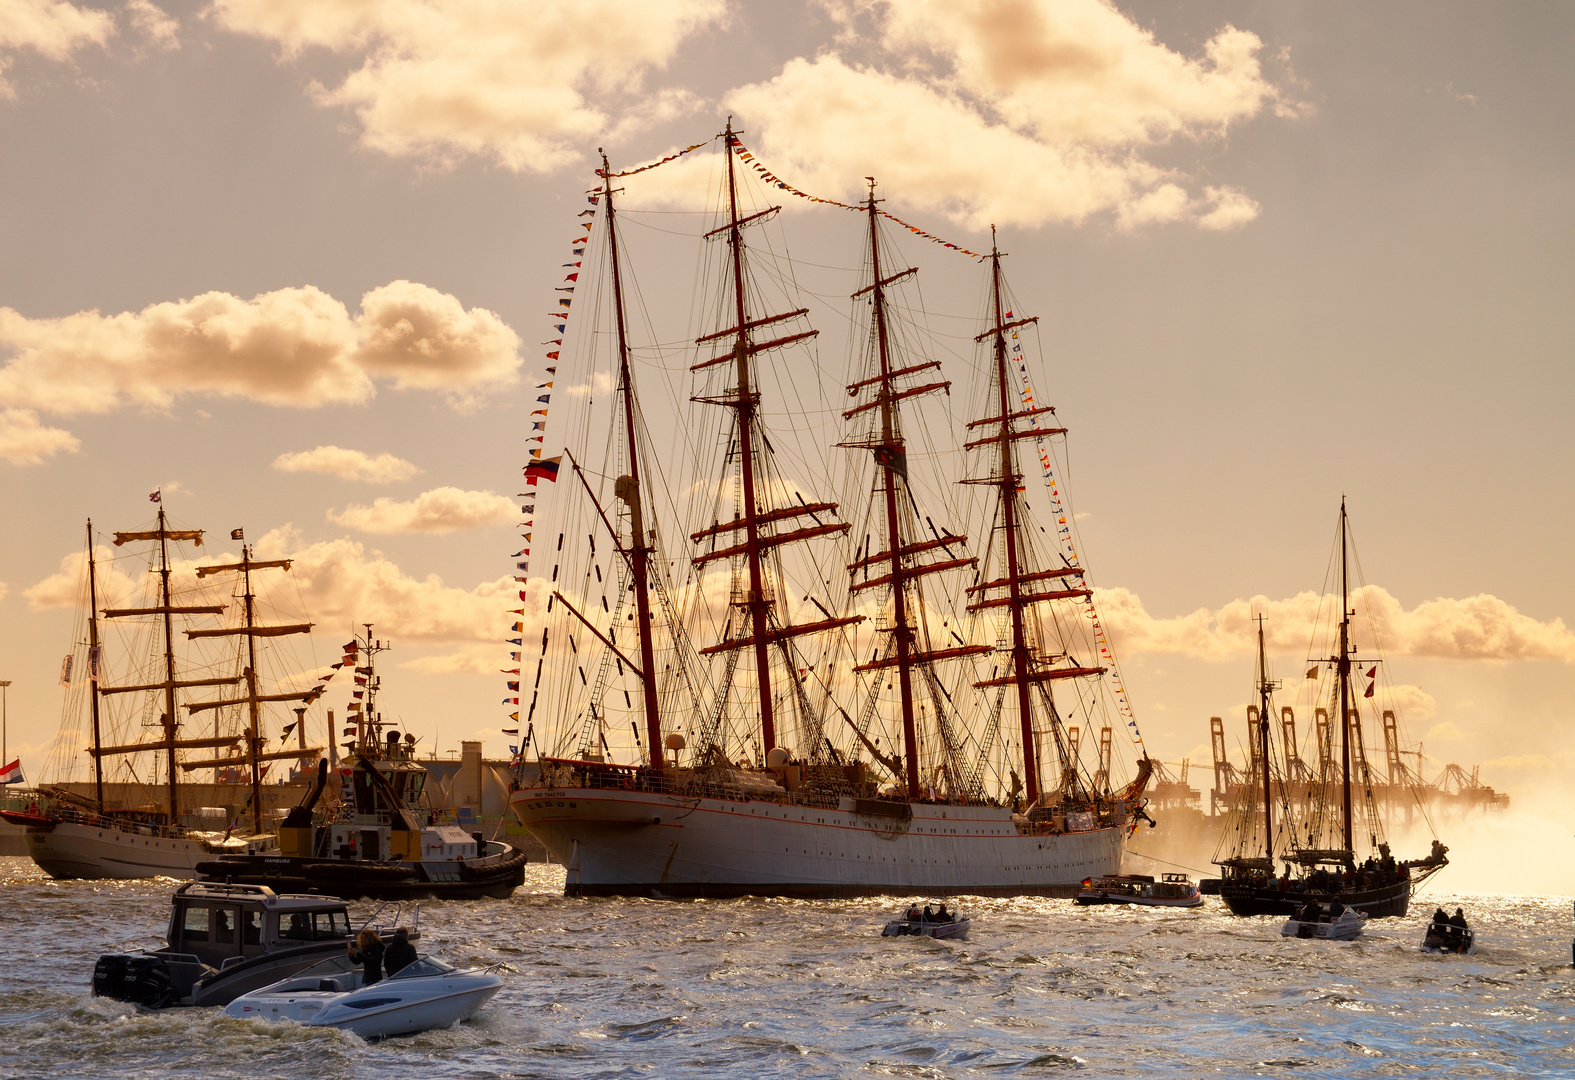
[
  {"x": 628, "y": 489},
  {"x": 169, "y": 743},
  {"x": 95, "y": 667},
  {"x": 744, "y": 400},
  {"x": 254, "y": 699},
  {"x": 1343, "y": 667},
  {"x": 1264, "y": 687},
  {"x": 890, "y": 451}
]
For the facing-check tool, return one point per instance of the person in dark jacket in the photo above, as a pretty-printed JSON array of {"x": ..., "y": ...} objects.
[
  {"x": 400, "y": 952},
  {"x": 368, "y": 952}
]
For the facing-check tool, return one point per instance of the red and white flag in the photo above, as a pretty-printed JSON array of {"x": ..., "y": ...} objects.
[{"x": 12, "y": 773}]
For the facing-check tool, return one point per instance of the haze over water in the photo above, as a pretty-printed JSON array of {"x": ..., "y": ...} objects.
[{"x": 612, "y": 988}]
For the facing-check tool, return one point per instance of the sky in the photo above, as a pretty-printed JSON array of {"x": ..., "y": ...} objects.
[{"x": 290, "y": 263}]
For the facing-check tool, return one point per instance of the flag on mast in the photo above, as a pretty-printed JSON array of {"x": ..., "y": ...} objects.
[{"x": 12, "y": 773}]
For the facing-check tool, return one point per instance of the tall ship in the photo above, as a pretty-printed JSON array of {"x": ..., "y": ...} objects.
[
  {"x": 165, "y": 686},
  {"x": 801, "y": 701},
  {"x": 1325, "y": 828}
]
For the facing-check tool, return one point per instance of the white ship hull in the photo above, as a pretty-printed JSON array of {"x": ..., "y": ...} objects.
[
  {"x": 622, "y": 842},
  {"x": 75, "y": 850}
]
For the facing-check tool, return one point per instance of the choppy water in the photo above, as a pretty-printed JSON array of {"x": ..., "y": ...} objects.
[{"x": 615, "y": 988}]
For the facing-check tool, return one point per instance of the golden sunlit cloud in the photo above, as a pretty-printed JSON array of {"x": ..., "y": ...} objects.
[
  {"x": 1479, "y": 627},
  {"x": 441, "y": 510},
  {"x": 26, "y": 441},
  {"x": 347, "y": 464},
  {"x": 292, "y": 347},
  {"x": 1011, "y": 111},
  {"x": 509, "y": 82}
]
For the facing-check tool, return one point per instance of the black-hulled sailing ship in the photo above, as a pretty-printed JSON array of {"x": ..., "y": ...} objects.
[
  {"x": 73, "y": 836},
  {"x": 1319, "y": 853},
  {"x": 778, "y": 781},
  {"x": 373, "y": 837}
]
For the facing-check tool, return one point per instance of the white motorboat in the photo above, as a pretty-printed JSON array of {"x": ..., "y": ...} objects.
[
  {"x": 916, "y": 923},
  {"x": 422, "y": 996},
  {"x": 1345, "y": 926}
]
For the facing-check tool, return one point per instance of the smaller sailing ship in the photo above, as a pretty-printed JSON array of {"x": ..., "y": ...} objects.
[
  {"x": 74, "y": 836},
  {"x": 378, "y": 840},
  {"x": 1319, "y": 853}
]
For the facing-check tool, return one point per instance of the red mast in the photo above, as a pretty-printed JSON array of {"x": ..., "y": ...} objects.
[
  {"x": 1008, "y": 481},
  {"x": 745, "y": 401},
  {"x": 891, "y": 456}
]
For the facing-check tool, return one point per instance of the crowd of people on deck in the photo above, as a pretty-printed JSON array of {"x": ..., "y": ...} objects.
[{"x": 1375, "y": 873}]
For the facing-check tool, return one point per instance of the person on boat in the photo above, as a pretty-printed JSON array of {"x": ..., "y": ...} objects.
[
  {"x": 929, "y": 916},
  {"x": 400, "y": 952},
  {"x": 1336, "y": 909},
  {"x": 1309, "y": 913},
  {"x": 1458, "y": 927},
  {"x": 913, "y": 913},
  {"x": 368, "y": 952},
  {"x": 941, "y": 915}
]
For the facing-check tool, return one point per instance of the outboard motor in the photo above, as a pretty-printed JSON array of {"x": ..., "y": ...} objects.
[{"x": 138, "y": 978}]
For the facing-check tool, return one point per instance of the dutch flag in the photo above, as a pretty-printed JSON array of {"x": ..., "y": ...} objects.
[{"x": 12, "y": 773}]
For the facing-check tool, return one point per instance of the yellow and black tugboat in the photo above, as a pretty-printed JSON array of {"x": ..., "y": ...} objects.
[{"x": 376, "y": 840}]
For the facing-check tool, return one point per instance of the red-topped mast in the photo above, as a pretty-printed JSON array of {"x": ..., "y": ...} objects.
[
  {"x": 629, "y": 491},
  {"x": 745, "y": 400},
  {"x": 1008, "y": 481},
  {"x": 891, "y": 457}
]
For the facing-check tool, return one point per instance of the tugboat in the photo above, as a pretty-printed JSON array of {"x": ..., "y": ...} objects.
[
  {"x": 225, "y": 941},
  {"x": 1174, "y": 890},
  {"x": 381, "y": 843}
]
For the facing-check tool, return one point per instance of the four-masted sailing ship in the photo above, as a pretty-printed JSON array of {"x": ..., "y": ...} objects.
[
  {"x": 763, "y": 768},
  {"x": 1320, "y": 852},
  {"x": 146, "y": 688}
]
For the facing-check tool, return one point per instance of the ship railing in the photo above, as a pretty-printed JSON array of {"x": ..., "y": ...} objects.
[{"x": 118, "y": 822}]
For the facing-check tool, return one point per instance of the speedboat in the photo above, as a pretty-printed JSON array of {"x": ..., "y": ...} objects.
[
  {"x": 421, "y": 996},
  {"x": 916, "y": 923},
  {"x": 1342, "y": 927},
  {"x": 1444, "y": 938},
  {"x": 223, "y": 941},
  {"x": 1173, "y": 890}
]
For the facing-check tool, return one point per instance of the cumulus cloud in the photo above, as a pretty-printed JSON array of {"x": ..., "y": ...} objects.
[
  {"x": 295, "y": 346},
  {"x": 344, "y": 584},
  {"x": 154, "y": 24},
  {"x": 65, "y": 587},
  {"x": 1012, "y": 111},
  {"x": 441, "y": 510},
  {"x": 1479, "y": 627},
  {"x": 347, "y": 464},
  {"x": 53, "y": 29},
  {"x": 26, "y": 441},
  {"x": 341, "y": 584},
  {"x": 514, "y": 83},
  {"x": 57, "y": 30}
]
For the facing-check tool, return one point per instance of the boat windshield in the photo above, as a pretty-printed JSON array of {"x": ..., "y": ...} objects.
[{"x": 426, "y": 965}]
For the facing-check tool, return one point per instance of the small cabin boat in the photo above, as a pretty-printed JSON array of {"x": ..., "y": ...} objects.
[
  {"x": 926, "y": 923},
  {"x": 422, "y": 996},
  {"x": 1345, "y": 926},
  {"x": 1172, "y": 890},
  {"x": 223, "y": 941},
  {"x": 1445, "y": 938}
]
